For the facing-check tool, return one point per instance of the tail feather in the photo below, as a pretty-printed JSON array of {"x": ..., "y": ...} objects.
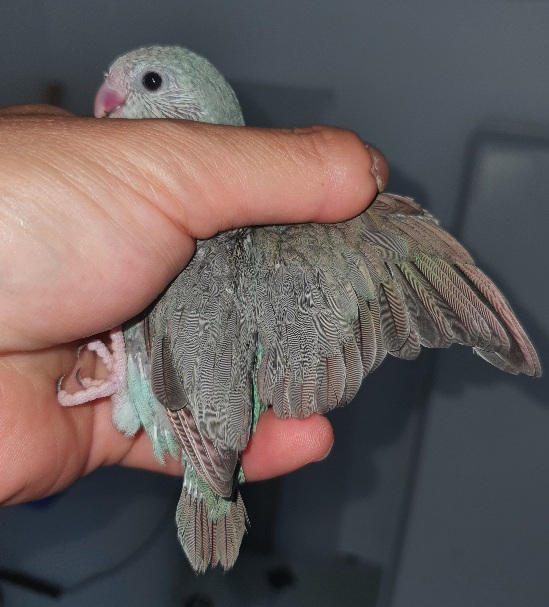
[{"x": 210, "y": 528}]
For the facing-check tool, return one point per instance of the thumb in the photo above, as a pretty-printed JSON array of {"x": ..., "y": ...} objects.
[{"x": 221, "y": 177}]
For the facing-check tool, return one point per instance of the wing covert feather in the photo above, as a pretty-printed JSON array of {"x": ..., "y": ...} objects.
[
  {"x": 202, "y": 350},
  {"x": 333, "y": 301}
]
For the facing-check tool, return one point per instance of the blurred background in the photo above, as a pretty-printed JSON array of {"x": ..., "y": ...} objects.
[{"x": 436, "y": 490}]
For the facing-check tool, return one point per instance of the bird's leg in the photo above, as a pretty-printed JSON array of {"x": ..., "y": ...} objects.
[{"x": 114, "y": 385}]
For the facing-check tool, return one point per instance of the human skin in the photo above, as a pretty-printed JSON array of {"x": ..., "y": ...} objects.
[{"x": 96, "y": 218}]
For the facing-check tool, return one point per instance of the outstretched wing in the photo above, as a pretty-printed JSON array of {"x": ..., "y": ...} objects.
[
  {"x": 201, "y": 359},
  {"x": 334, "y": 300}
]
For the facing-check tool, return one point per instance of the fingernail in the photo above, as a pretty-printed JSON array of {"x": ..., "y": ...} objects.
[{"x": 379, "y": 168}]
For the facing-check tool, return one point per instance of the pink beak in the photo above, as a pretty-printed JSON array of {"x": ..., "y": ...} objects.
[{"x": 107, "y": 100}]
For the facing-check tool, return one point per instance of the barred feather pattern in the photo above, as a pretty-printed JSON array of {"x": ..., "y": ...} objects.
[
  {"x": 334, "y": 300},
  {"x": 202, "y": 351},
  {"x": 210, "y": 528},
  {"x": 324, "y": 304},
  {"x": 289, "y": 317}
]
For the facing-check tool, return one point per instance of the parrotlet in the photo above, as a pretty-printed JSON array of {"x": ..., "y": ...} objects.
[{"x": 291, "y": 317}]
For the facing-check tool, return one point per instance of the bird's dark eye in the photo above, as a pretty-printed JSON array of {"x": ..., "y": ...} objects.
[{"x": 152, "y": 81}]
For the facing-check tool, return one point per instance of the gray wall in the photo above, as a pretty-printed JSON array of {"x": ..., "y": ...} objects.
[
  {"x": 417, "y": 79},
  {"x": 477, "y": 526}
]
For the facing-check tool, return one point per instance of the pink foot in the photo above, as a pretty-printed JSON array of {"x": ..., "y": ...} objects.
[{"x": 115, "y": 384}]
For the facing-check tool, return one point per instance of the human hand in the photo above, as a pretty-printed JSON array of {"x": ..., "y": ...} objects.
[{"x": 96, "y": 218}]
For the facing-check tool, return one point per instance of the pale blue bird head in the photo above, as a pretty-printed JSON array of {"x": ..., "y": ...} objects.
[{"x": 167, "y": 82}]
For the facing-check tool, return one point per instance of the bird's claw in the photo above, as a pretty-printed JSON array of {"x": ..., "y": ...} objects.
[{"x": 114, "y": 361}]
